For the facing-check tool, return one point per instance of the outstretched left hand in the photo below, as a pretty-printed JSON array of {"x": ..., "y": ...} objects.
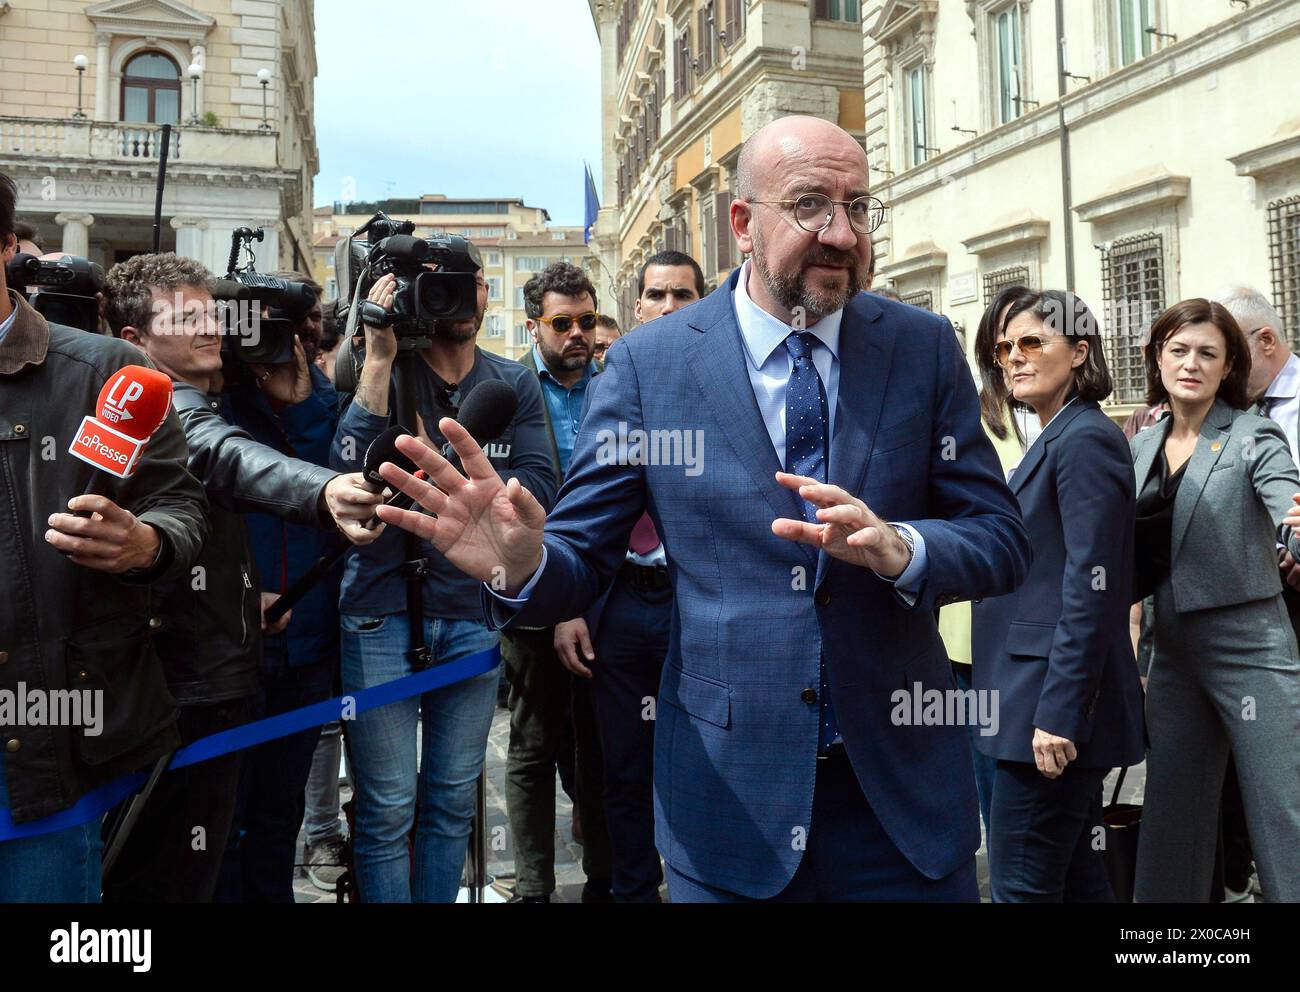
[{"x": 848, "y": 529}]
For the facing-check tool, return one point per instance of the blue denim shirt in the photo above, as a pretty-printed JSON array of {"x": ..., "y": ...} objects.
[{"x": 565, "y": 406}]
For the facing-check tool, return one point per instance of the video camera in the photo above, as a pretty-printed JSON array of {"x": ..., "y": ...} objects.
[
  {"x": 422, "y": 296},
  {"x": 258, "y": 313},
  {"x": 66, "y": 288}
]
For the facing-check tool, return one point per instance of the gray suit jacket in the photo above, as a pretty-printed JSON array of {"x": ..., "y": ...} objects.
[{"x": 1228, "y": 513}]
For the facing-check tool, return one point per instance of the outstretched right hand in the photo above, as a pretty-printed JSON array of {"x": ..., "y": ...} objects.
[{"x": 489, "y": 529}]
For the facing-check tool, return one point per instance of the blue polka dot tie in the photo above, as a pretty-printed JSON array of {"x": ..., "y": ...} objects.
[{"x": 807, "y": 417}]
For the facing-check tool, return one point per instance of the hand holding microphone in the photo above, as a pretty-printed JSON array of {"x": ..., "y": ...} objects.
[
  {"x": 98, "y": 533},
  {"x": 485, "y": 415}
]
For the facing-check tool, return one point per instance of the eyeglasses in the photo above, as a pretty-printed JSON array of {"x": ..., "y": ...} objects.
[
  {"x": 562, "y": 323},
  {"x": 1030, "y": 345},
  {"x": 814, "y": 212}
]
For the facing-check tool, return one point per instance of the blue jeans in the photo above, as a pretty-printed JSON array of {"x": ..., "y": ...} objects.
[
  {"x": 57, "y": 867},
  {"x": 1041, "y": 838},
  {"x": 382, "y": 753}
]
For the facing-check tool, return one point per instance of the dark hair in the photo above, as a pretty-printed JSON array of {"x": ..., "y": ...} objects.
[
  {"x": 331, "y": 327},
  {"x": 605, "y": 320},
  {"x": 1060, "y": 312},
  {"x": 559, "y": 277},
  {"x": 1232, "y": 390},
  {"x": 28, "y": 232},
  {"x": 8, "y": 203},
  {"x": 993, "y": 398},
  {"x": 673, "y": 259},
  {"x": 302, "y": 279}
]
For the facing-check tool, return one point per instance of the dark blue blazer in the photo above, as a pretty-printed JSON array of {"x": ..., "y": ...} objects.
[
  {"x": 737, "y": 720},
  {"x": 1057, "y": 650}
]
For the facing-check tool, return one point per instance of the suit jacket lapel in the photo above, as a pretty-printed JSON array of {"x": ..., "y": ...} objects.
[
  {"x": 1209, "y": 448},
  {"x": 1034, "y": 456},
  {"x": 721, "y": 371},
  {"x": 866, "y": 346},
  {"x": 1146, "y": 453}
]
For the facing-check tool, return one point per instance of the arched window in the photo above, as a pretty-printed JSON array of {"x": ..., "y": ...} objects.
[{"x": 151, "y": 90}]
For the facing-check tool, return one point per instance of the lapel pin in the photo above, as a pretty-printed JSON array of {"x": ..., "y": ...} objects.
[{"x": 1216, "y": 446}]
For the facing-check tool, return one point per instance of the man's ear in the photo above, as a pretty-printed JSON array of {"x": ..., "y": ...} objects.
[
  {"x": 742, "y": 215},
  {"x": 636, "y": 310},
  {"x": 1267, "y": 339},
  {"x": 10, "y": 247},
  {"x": 132, "y": 336}
]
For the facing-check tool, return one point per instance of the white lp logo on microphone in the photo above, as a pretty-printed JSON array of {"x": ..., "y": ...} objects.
[{"x": 115, "y": 410}]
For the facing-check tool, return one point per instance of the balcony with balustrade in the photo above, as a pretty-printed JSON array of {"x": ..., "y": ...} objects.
[{"x": 54, "y": 141}]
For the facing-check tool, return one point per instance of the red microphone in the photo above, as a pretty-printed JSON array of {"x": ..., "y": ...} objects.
[{"x": 132, "y": 406}]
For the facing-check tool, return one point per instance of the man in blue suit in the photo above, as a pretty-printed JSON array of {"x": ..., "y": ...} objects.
[{"x": 799, "y": 609}]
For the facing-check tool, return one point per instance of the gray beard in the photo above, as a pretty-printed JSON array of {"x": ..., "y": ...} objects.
[{"x": 794, "y": 294}]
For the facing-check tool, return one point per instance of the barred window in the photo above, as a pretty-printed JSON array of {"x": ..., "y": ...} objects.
[
  {"x": 1284, "y": 260},
  {"x": 1133, "y": 294},
  {"x": 923, "y": 299},
  {"x": 999, "y": 279}
]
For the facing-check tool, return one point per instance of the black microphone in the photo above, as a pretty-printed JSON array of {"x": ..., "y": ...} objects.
[
  {"x": 382, "y": 449},
  {"x": 487, "y": 412}
]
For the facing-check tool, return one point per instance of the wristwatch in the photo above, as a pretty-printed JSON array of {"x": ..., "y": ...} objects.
[{"x": 907, "y": 539}]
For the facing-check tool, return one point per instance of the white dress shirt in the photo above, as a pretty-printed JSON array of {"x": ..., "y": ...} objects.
[
  {"x": 769, "y": 365},
  {"x": 1283, "y": 395},
  {"x": 7, "y": 323}
]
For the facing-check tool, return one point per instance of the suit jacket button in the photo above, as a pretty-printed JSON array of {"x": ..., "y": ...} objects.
[
  {"x": 808, "y": 695},
  {"x": 12, "y": 744},
  {"x": 4, "y": 656},
  {"x": 823, "y": 597},
  {"x": 155, "y": 623}
]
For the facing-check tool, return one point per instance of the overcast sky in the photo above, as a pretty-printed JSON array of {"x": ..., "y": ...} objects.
[{"x": 468, "y": 99}]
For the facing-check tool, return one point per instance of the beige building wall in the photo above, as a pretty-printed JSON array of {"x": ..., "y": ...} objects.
[
  {"x": 1178, "y": 161},
  {"x": 684, "y": 82},
  {"x": 231, "y": 168},
  {"x": 516, "y": 241}
]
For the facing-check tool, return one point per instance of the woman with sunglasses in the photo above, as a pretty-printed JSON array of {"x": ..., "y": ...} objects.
[
  {"x": 1056, "y": 651},
  {"x": 1216, "y": 490}
]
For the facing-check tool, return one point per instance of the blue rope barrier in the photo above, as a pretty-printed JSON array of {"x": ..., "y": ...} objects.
[{"x": 99, "y": 801}]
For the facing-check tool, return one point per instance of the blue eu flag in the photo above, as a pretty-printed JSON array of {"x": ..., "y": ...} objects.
[{"x": 593, "y": 205}]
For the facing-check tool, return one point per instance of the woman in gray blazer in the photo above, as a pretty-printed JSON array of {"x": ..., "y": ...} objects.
[{"x": 1215, "y": 488}]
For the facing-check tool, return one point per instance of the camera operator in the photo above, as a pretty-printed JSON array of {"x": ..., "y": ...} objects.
[
  {"x": 208, "y": 624},
  {"x": 376, "y": 634},
  {"x": 29, "y": 239},
  {"x": 75, "y": 610},
  {"x": 300, "y": 654}
]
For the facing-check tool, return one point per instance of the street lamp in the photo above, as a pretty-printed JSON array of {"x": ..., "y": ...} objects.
[
  {"x": 264, "y": 77},
  {"x": 79, "y": 63},
  {"x": 196, "y": 73}
]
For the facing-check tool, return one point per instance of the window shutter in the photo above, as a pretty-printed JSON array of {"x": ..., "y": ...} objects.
[
  {"x": 670, "y": 237},
  {"x": 723, "y": 246}
]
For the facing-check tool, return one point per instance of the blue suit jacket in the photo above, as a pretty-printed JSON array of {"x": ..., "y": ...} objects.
[
  {"x": 1058, "y": 649},
  {"x": 735, "y": 745}
]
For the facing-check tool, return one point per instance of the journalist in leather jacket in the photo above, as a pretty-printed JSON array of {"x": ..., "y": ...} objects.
[{"x": 65, "y": 625}]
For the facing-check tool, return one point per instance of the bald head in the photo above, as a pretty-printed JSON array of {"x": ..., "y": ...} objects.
[{"x": 788, "y": 144}]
